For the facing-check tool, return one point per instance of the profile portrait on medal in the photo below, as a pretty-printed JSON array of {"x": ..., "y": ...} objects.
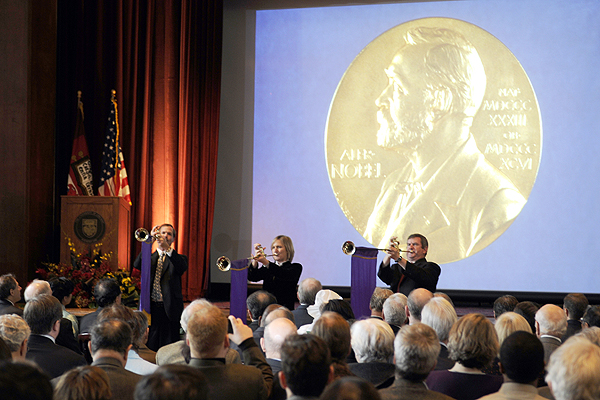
[{"x": 447, "y": 189}]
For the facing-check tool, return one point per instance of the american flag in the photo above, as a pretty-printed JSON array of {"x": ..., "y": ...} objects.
[{"x": 113, "y": 179}]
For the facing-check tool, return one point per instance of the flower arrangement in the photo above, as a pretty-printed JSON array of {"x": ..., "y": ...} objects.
[{"x": 86, "y": 270}]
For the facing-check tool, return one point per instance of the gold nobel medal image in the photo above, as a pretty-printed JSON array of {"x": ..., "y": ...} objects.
[{"x": 434, "y": 129}]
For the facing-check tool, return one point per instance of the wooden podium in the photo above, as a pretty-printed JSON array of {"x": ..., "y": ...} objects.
[{"x": 89, "y": 220}]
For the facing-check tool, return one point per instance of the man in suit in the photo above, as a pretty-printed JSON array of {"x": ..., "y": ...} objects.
[
  {"x": 275, "y": 334},
  {"x": 574, "y": 305},
  {"x": 416, "y": 350},
  {"x": 439, "y": 314},
  {"x": 166, "y": 304},
  {"x": 43, "y": 315},
  {"x": 179, "y": 352},
  {"x": 550, "y": 327},
  {"x": 10, "y": 293},
  {"x": 405, "y": 275},
  {"x": 447, "y": 189},
  {"x": 307, "y": 290},
  {"x": 106, "y": 292},
  {"x": 257, "y": 303},
  {"x": 521, "y": 363},
  {"x": 208, "y": 340},
  {"x": 65, "y": 337},
  {"x": 306, "y": 364},
  {"x": 110, "y": 345},
  {"x": 373, "y": 345}
]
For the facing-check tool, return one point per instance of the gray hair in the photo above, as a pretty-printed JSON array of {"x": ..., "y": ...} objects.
[
  {"x": 394, "y": 311},
  {"x": 552, "y": 320},
  {"x": 14, "y": 330},
  {"x": 372, "y": 341},
  {"x": 307, "y": 290},
  {"x": 574, "y": 370},
  {"x": 416, "y": 349},
  {"x": 36, "y": 288},
  {"x": 439, "y": 314},
  {"x": 194, "y": 306}
]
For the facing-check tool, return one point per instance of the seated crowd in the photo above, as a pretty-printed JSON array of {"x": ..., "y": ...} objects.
[{"x": 409, "y": 347}]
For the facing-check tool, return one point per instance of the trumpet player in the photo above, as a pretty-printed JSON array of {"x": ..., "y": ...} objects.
[
  {"x": 166, "y": 299},
  {"x": 404, "y": 275},
  {"x": 281, "y": 276}
]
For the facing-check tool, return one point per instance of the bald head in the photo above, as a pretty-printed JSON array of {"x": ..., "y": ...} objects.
[
  {"x": 307, "y": 290},
  {"x": 551, "y": 320},
  {"x": 275, "y": 334},
  {"x": 416, "y": 301},
  {"x": 37, "y": 288}
]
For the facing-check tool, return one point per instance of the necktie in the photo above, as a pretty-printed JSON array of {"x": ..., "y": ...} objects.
[{"x": 156, "y": 291}]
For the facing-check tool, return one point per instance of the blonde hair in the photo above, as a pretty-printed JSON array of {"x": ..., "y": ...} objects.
[
  {"x": 206, "y": 331},
  {"x": 510, "y": 322},
  {"x": 287, "y": 243}
]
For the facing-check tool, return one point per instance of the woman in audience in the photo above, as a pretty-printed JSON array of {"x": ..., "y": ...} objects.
[
  {"x": 281, "y": 276},
  {"x": 335, "y": 331},
  {"x": 83, "y": 383},
  {"x": 323, "y": 297},
  {"x": 473, "y": 344},
  {"x": 506, "y": 324}
]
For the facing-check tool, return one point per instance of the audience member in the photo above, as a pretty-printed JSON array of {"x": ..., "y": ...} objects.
[
  {"x": 528, "y": 309},
  {"x": 550, "y": 326},
  {"x": 83, "y": 383},
  {"x": 592, "y": 334},
  {"x": 143, "y": 350},
  {"x": 445, "y": 296},
  {"x": 439, "y": 314},
  {"x": 508, "y": 323},
  {"x": 179, "y": 352},
  {"x": 323, "y": 297},
  {"x": 306, "y": 363},
  {"x": 504, "y": 304},
  {"x": 522, "y": 362},
  {"x": 574, "y": 370},
  {"x": 43, "y": 315},
  {"x": 591, "y": 317},
  {"x": 574, "y": 305},
  {"x": 23, "y": 381},
  {"x": 394, "y": 311},
  {"x": 10, "y": 294},
  {"x": 307, "y": 290},
  {"x": 335, "y": 331},
  {"x": 62, "y": 289},
  {"x": 257, "y": 302},
  {"x": 134, "y": 362},
  {"x": 416, "y": 301},
  {"x": 173, "y": 382},
  {"x": 378, "y": 297},
  {"x": 275, "y": 334},
  {"x": 65, "y": 337},
  {"x": 110, "y": 345},
  {"x": 106, "y": 292},
  {"x": 269, "y": 314},
  {"x": 350, "y": 388},
  {"x": 416, "y": 350},
  {"x": 208, "y": 341},
  {"x": 341, "y": 307},
  {"x": 15, "y": 332},
  {"x": 473, "y": 344},
  {"x": 373, "y": 344}
]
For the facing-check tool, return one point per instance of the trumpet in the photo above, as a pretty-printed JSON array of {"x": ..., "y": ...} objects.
[
  {"x": 224, "y": 264},
  {"x": 142, "y": 235},
  {"x": 349, "y": 248}
]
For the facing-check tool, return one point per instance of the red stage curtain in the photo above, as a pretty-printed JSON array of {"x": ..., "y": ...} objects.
[{"x": 168, "y": 77}]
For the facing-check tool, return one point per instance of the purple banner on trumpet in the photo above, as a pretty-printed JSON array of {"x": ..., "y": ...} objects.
[
  {"x": 239, "y": 288},
  {"x": 362, "y": 281}
]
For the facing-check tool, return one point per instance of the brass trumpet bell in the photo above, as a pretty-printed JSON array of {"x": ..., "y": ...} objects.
[
  {"x": 143, "y": 235},
  {"x": 348, "y": 248},
  {"x": 223, "y": 263}
]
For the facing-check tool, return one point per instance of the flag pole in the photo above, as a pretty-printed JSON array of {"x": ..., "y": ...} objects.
[{"x": 113, "y": 95}]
